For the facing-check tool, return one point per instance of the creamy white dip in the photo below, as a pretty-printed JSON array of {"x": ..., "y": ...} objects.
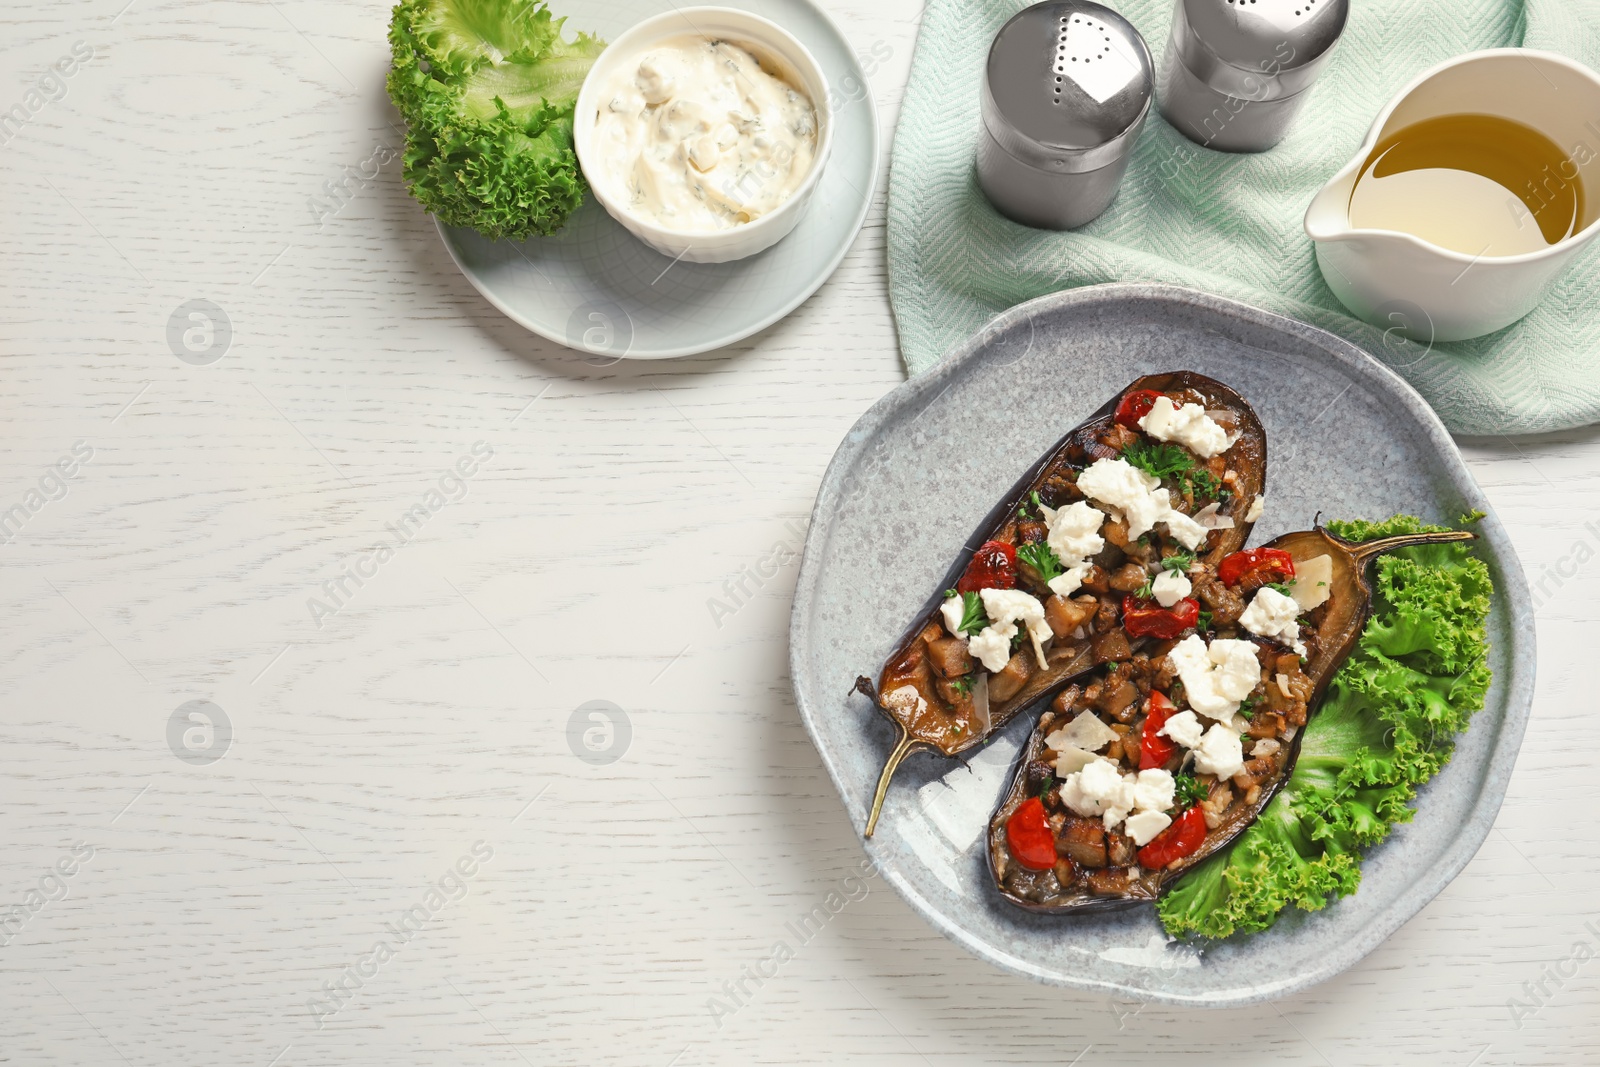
[{"x": 696, "y": 137}]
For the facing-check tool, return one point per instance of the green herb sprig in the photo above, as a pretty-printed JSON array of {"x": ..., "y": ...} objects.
[
  {"x": 1042, "y": 558},
  {"x": 1188, "y": 791},
  {"x": 1178, "y": 562},
  {"x": 1160, "y": 460},
  {"x": 973, "y": 617}
]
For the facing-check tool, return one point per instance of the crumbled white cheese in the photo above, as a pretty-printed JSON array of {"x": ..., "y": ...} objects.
[
  {"x": 992, "y": 648},
  {"x": 1070, "y": 760},
  {"x": 1170, "y": 587},
  {"x": 1086, "y": 732},
  {"x": 1006, "y": 608},
  {"x": 1138, "y": 498},
  {"x": 1114, "y": 815},
  {"x": 1184, "y": 728},
  {"x": 952, "y": 609},
  {"x": 1070, "y": 580},
  {"x": 1265, "y": 747},
  {"x": 1119, "y": 484},
  {"x": 1218, "y": 677},
  {"x": 1273, "y": 615},
  {"x": 1075, "y": 531},
  {"x": 1144, "y": 826},
  {"x": 1219, "y": 753},
  {"x": 1154, "y": 790},
  {"x": 1074, "y": 537},
  {"x": 1313, "y": 582},
  {"x": 1184, "y": 530},
  {"x": 1098, "y": 789},
  {"x": 905, "y": 700},
  {"x": 1189, "y": 426},
  {"x": 1257, "y": 506}
]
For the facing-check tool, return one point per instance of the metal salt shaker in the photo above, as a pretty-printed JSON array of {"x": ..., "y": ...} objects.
[
  {"x": 1237, "y": 72},
  {"x": 1066, "y": 92}
]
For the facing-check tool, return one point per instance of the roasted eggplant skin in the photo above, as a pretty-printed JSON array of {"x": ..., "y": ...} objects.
[
  {"x": 1077, "y": 450},
  {"x": 1336, "y": 626},
  {"x": 1053, "y": 477}
]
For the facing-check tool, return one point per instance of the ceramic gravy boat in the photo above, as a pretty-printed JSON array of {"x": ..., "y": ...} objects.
[{"x": 1403, "y": 282}]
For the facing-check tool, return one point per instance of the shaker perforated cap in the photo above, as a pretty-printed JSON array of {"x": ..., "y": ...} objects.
[
  {"x": 1258, "y": 49},
  {"x": 1068, "y": 85}
]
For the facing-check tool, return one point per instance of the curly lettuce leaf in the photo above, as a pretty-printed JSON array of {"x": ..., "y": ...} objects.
[
  {"x": 1419, "y": 673},
  {"x": 488, "y": 89}
]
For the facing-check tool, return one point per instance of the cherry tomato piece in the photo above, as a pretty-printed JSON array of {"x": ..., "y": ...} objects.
[
  {"x": 1261, "y": 564},
  {"x": 1146, "y": 618},
  {"x": 1154, "y": 749},
  {"x": 994, "y": 566},
  {"x": 1029, "y": 838},
  {"x": 1135, "y": 406},
  {"x": 1183, "y": 838}
]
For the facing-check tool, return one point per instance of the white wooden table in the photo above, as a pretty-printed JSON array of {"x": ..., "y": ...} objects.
[{"x": 227, "y": 912}]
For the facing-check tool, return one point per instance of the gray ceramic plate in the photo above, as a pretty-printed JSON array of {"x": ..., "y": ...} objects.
[
  {"x": 597, "y": 288},
  {"x": 1347, "y": 438}
]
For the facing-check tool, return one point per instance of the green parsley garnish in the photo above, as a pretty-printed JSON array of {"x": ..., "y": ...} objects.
[
  {"x": 1049, "y": 783},
  {"x": 963, "y": 684},
  {"x": 1158, "y": 460},
  {"x": 1202, "y": 485},
  {"x": 1247, "y": 707},
  {"x": 1204, "y": 622},
  {"x": 1042, "y": 558},
  {"x": 1286, "y": 588},
  {"x": 1188, "y": 791},
  {"x": 1147, "y": 591},
  {"x": 973, "y": 617},
  {"x": 1175, "y": 463}
]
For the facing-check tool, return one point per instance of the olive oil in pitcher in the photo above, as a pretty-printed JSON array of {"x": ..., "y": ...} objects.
[{"x": 1476, "y": 184}]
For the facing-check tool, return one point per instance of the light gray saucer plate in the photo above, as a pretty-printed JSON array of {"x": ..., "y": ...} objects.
[
  {"x": 1346, "y": 438},
  {"x": 597, "y": 288}
]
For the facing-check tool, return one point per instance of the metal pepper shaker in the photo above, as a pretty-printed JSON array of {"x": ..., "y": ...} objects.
[
  {"x": 1237, "y": 72},
  {"x": 1067, "y": 89}
]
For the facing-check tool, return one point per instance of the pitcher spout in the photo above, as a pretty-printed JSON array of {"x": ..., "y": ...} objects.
[{"x": 1328, "y": 217}]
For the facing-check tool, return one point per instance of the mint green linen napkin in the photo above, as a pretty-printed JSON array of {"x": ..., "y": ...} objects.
[{"x": 1229, "y": 224}]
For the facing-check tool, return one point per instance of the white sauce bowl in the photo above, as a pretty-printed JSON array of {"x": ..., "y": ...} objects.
[{"x": 778, "y": 51}]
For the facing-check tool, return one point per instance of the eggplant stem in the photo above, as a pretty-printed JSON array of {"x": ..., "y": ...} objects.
[
  {"x": 903, "y": 748},
  {"x": 1370, "y": 549}
]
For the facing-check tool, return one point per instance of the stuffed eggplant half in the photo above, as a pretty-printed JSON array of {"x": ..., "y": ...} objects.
[
  {"x": 1085, "y": 562},
  {"x": 1133, "y": 777}
]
